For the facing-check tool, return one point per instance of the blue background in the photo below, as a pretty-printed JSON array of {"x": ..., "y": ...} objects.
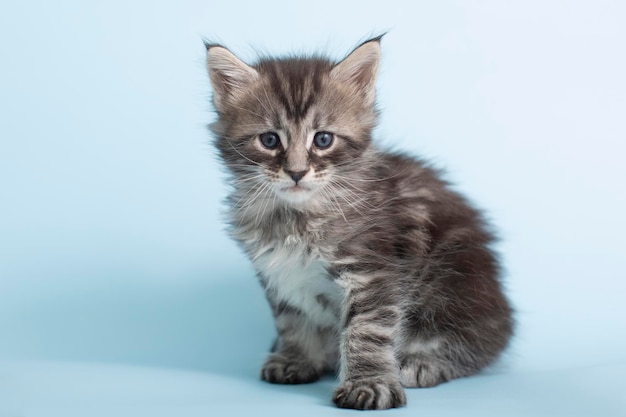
[{"x": 120, "y": 293}]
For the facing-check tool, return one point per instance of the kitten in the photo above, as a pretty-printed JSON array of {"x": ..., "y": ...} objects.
[{"x": 372, "y": 265}]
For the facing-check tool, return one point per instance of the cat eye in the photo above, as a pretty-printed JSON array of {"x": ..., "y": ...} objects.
[
  {"x": 270, "y": 140},
  {"x": 323, "y": 140}
]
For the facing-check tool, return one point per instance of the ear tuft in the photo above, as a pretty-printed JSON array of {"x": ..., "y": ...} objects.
[
  {"x": 229, "y": 75},
  {"x": 359, "y": 68}
]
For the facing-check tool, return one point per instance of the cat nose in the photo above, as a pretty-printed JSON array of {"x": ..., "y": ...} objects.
[{"x": 296, "y": 175}]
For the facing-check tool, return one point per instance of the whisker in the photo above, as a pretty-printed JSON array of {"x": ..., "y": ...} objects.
[
  {"x": 334, "y": 202},
  {"x": 243, "y": 156},
  {"x": 357, "y": 199}
]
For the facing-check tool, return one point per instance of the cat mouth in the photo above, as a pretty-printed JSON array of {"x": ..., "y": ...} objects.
[
  {"x": 295, "y": 189},
  {"x": 295, "y": 194}
]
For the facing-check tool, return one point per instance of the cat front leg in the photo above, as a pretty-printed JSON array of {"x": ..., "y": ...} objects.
[
  {"x": 369, "y": 373},
  {"x": 298, "y": 355}
]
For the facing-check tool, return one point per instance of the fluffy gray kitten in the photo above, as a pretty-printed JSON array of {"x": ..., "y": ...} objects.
[{"x": 372, "y": 265}]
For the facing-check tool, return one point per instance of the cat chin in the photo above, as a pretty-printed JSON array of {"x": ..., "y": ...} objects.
[{"x": 295, "y": 197}]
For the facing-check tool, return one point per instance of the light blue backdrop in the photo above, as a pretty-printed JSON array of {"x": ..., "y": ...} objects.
[{"x": 112, "y": 250}]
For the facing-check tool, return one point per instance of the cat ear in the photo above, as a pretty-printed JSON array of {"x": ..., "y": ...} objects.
[
  {"x": 229, "y": 75},
  {"x": 359, "y": 68}
]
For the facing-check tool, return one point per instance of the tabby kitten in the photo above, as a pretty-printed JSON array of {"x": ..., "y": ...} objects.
[{"x": 372, "y": 265}]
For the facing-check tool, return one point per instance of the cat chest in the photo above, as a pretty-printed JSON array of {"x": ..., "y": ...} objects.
[{"x": 301, "y": 280}]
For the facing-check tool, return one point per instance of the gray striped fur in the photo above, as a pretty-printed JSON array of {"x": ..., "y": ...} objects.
[{"x": 374, "y": 268}]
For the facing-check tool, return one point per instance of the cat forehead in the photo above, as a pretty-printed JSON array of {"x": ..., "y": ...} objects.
[
  {"x": 295, "y": 78},
  {"x": 294, "y": 67},
  {"x": 295, "y": 83}
]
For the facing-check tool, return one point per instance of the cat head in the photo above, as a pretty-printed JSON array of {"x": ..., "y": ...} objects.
[{"x": 293, "y": 126}]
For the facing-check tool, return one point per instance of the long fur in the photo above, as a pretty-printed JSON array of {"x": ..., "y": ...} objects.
[{"x": 373, "y": 266}]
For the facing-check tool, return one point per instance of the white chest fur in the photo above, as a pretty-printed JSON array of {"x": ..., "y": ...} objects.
[{"x": 301, "y": 280}]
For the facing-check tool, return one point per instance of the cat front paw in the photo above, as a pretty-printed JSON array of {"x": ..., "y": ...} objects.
[
  {"x": 369, "y": 394},
  {"x": 281, "y": 370}
]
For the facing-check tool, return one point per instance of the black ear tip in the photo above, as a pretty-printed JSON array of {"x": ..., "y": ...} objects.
[
  {"x": 377, "y": 38},
  {"x": 209, "y": 44}
]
